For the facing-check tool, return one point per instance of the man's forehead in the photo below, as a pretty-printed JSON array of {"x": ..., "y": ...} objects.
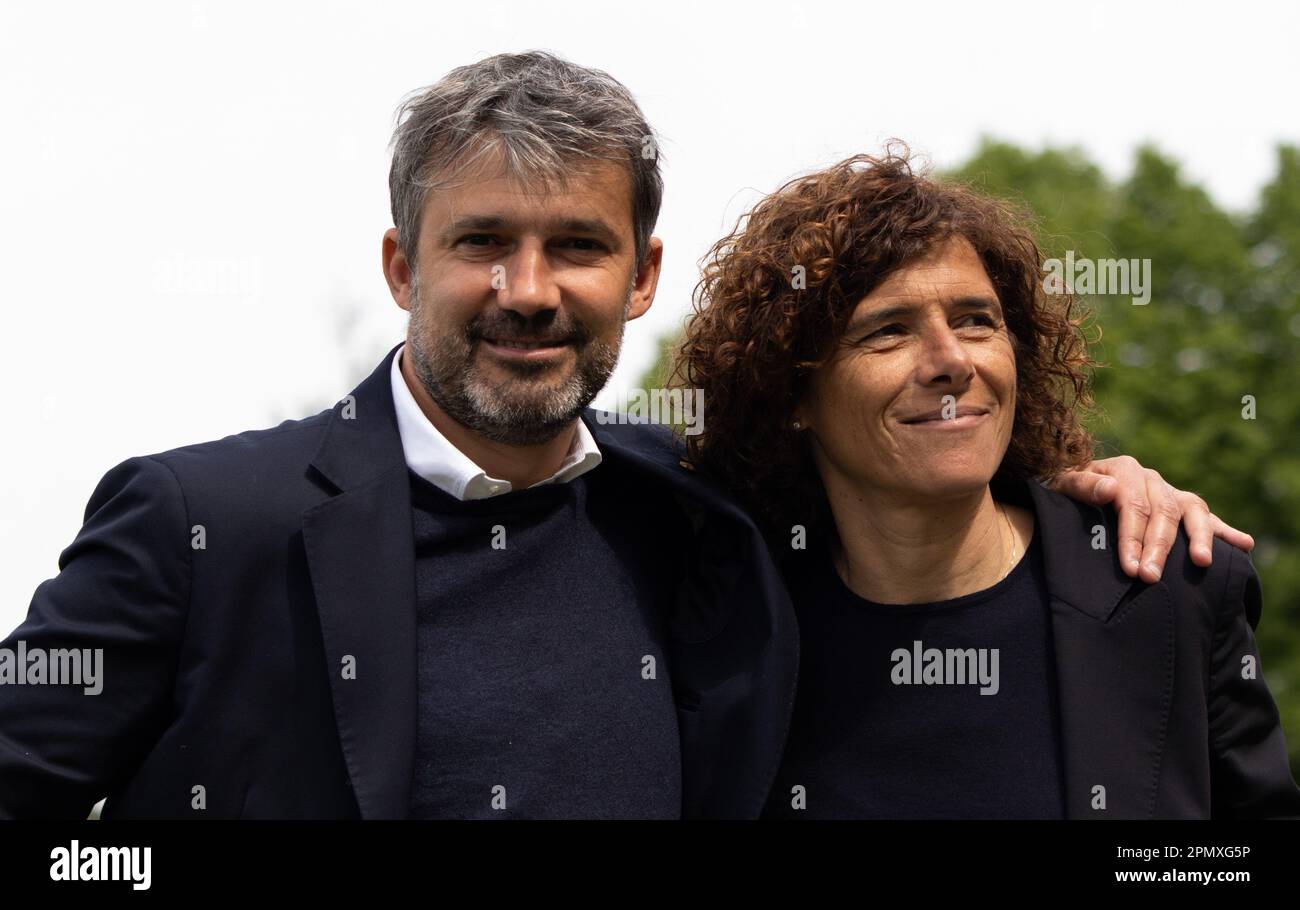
[{"x": 590, "y": 189}]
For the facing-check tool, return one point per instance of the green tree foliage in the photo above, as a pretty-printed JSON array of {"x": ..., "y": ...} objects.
[{"x": 1223, "y": 323}]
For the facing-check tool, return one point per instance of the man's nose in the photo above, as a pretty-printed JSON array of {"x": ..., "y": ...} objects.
[{"x": 527, "y": 283}]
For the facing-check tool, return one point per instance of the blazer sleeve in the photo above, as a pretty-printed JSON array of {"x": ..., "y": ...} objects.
[
  {"x": 121, "y": 594},
  {"x": 1249, "y": 772}
]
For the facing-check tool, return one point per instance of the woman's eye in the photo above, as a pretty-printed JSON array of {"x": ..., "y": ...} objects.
[{"x": 980, "y": 321}]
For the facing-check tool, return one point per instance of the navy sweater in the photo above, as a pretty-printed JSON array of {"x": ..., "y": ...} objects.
[
  {"x": 543, "y": 686},
  {"x": 882, "y": 729}
]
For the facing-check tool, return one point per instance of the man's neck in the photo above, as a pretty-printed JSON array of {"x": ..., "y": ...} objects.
[
  {"x": 896, "y": 550},
  {"x": 522, "y": 466}
]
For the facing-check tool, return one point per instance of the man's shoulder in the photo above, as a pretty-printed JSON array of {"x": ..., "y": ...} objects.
[
  {"x": 259, "y": 471},
  {"x": 630, "y": 427},
  {"x": 661, "y": 455},
  {"x": 268, "y": 445},
  {"x": 654, "y": 441}
]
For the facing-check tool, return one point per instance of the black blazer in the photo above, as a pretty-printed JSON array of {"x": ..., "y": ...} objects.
[
  {"x": 222, "y": 665},
  {"x": 1154, "y": 706}
]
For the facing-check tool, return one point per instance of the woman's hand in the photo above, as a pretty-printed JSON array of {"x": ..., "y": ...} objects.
[{"x": 1149, "y": 512}]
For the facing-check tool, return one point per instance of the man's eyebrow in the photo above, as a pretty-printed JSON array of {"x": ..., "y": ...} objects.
[
  {"x": 474, "y": 223},
  {"x": 596, "y": 227},
  {"x": 901, "y": 310}
]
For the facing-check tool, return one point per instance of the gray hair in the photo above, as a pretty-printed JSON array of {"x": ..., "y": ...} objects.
[{"x": 542, "y": 112}]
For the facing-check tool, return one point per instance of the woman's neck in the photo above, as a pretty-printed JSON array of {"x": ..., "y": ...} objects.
[{"x": 893, "y": 550}]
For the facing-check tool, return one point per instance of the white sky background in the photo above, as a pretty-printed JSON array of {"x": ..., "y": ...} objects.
[{"x": 191, "y": 194}]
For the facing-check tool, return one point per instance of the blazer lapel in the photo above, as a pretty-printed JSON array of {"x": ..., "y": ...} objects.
[
  {"x": 360, "y": 553},
  {"x": 735, "y": 652},
  {"x": 1114, "y": 655}
]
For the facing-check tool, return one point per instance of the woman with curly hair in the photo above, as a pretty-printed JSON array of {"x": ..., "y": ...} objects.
[{"x": 889, "y": 385}]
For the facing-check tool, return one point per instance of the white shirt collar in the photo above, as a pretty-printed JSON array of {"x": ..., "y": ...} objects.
[{"x": 432, "y": 456}]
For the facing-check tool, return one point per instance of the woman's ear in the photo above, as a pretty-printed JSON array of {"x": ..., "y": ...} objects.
[
  {"x": 805, "y": 396},
  {"x": 801, "y": 417}
]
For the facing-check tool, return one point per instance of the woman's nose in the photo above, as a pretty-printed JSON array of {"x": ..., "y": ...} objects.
[{"x": 944, "y": 357}]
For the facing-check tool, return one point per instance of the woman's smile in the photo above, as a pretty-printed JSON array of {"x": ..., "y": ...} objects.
[{"x": 947, "y": 424}]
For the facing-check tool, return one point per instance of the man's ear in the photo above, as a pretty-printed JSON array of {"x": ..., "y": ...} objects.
[
  {"x": 397, "y": 270},
  {"x": 647, "y": 279}
]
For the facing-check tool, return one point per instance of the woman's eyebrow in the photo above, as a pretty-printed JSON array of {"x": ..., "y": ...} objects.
[
  {"x": 903, "y": 310},
  {"x": 977, "y": 302},
  {"x": 897, "y": 311}
]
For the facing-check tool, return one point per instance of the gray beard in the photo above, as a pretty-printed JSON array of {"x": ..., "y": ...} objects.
[{"x": 508, "y": 412}]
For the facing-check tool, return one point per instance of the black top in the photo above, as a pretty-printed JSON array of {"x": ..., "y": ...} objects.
[
  {"x": 540, "y": 619},
  {"x": 929, "y": 710}
]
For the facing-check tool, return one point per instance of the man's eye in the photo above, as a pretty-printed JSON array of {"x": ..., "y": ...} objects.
[
  {"x": 585, "y": 244},
  {"x": 478, "y": 239},
  {"x": 891, "y": 329}
]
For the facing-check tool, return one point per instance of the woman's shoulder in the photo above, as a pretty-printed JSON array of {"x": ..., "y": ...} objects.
[{"x": 1077, "y": 532}]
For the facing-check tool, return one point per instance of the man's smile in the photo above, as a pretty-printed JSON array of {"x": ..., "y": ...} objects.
[{"x": 527, "y": 349}]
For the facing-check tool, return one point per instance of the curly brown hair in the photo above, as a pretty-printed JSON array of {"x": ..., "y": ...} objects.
[{"x": 755, "y": 338}]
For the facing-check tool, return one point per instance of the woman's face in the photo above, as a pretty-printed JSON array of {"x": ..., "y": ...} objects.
[{"x": 919, "y": 398}]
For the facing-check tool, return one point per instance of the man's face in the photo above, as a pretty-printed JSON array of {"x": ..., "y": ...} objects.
[{"x": 520, "y": 298}]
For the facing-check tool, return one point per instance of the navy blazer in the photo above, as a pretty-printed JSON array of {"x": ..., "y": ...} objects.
[
  {"x": 223, "y": 663},
  {"x": 1155, "y": 705},
  {"x": 1157, "y": 718}
]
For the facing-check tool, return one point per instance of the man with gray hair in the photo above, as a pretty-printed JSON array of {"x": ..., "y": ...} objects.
[{"x": 455, "y": 594}]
